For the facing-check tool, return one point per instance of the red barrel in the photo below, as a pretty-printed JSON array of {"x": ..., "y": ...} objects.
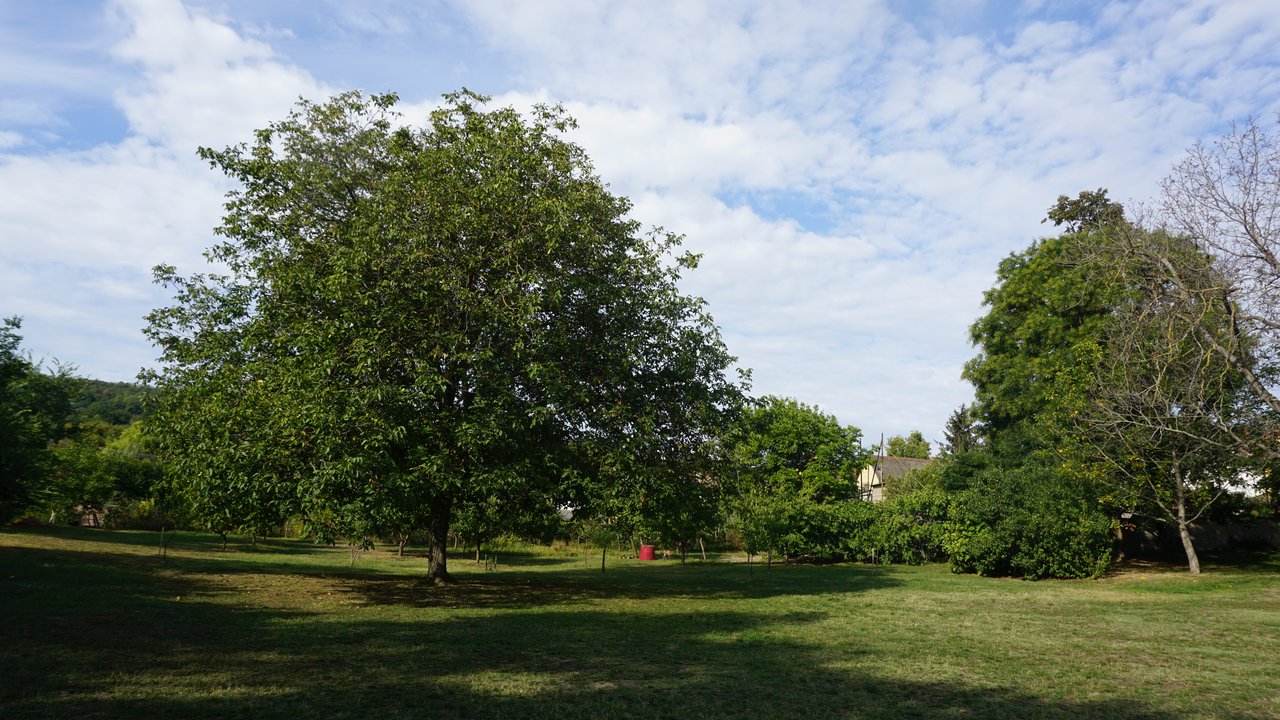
[{"x": 646, "y": 552}]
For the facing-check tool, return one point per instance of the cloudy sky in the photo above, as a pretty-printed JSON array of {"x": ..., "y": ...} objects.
[{"x": 852, "y": 171}]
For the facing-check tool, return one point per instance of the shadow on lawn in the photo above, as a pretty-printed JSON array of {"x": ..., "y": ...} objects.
[
  {"x": 524, "y": 590},
  {"x": 111, "y": 640},
  {"x": 1260, "y": 561},
  {"x": 175, "y": 540},
  {"x": 517, "y": 585}
]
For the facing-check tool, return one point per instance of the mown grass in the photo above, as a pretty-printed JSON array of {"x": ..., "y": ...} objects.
[{"x": 96, "y": 624}]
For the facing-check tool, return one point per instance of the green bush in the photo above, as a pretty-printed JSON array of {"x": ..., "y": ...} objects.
[
  {"x": 911, "y": 526},
  {"x": 904, "y": 529},
  {"x": 89, "y": 480},
  {"x": 133, "y": 514},
  {"x": 1031, "y": 522}
]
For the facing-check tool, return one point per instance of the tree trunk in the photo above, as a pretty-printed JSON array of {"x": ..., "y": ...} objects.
[
  {"x": 477, "y": 552},
  {"x": 1193, "y": 561},
  {"x": 604, "y": 551},
  {"x": 438, "y": 517},
  {"x": 404, "y": 540},
  {"x": 702, "y": 547}
]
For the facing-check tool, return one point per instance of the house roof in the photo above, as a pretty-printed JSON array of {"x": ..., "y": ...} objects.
[{"x": 895, "y": 467}]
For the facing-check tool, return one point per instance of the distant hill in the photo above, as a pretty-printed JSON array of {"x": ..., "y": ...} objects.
[{"x": 114, "y": 403}]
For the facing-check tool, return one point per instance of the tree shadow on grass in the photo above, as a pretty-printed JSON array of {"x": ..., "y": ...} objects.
[
  {"x": 1259, "y": 561},
  {"x": 512, "y": 586},
  {"x": 514, "y": 558},
  {"x": 112, "y": 640},
  {"x": 175, "y": 540},
  {"x": 513, "y": 589}
]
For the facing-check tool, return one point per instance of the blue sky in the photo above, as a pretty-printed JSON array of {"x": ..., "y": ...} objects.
[{"x": 851, "y": 171}]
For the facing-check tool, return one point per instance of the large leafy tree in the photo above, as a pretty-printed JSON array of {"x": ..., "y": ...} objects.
[
  {"x": 1038, "y": 340},
  {"x": 1039, "y": 347},
  {"x": 1098, "y": 363},
  {"x": 792, "y": 465},
  {"x": 414, "y": 319},
  {"x": 34, "y": 406}
]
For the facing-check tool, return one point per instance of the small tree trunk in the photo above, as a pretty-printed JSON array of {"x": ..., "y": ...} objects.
[
  {"x": 1193, "y": 561},
  {"x": 477, "y": 552},
  {"x": 682, "y": 552},
  {"x": 438, "y": 517},
  {"x": 404, "y": 540},
  {"x": 703, "y": 548},
  {"x": 604, "y": 552}
]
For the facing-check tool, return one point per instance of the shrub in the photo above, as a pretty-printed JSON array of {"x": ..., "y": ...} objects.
[
  {"x": 911, "y": 526},
  {"x": 133, "y": 514},
  {"x": 1033, "y": 522}
]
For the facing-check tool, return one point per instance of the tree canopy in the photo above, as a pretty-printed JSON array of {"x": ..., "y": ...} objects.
[
  {"x": 1105, "y": 357},
  {"x": 962, "y": 432},
  {"x": 34, "y": 406},
  {"x": 793, "y": 467},
  {"x": 1037, "y": 344},
  {"x": 413, "y": 319},
  {"x": 912, "y": 446},
  {"x": 786, "y": 446}
]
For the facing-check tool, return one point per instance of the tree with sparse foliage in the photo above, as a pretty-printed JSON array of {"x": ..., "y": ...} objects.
[
  {"x": 417, "y": 317},
  {"x": 1224, "y": 200},
  {"x": 1200, "y": 350}
]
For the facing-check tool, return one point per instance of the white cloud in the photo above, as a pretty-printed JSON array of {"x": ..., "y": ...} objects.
[
  {"x": 934, "y": 155},
  {"x": 84, "y": 228},
  {"x": 852, "y": 175},
  {"x": 202, "y": 83}
]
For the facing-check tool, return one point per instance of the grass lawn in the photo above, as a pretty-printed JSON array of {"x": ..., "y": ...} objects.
[{"x": 96, "y": 624}]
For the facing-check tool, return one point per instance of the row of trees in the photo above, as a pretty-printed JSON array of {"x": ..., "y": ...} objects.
[
  {"x": 456, "y": 327},
  {"x": 34, "y": 406},
  {"x": 1125, "y": 381},
  {"x": 67, "y": 447}
]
